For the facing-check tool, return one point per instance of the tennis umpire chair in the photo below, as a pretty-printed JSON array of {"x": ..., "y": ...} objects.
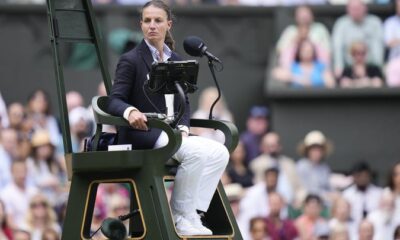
[{"x": 146, "y": 171}]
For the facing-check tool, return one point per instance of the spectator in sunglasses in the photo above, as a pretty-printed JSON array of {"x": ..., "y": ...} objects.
[
  {"x": 40, "y": 217},
  {"x": 360, "y": 74}
]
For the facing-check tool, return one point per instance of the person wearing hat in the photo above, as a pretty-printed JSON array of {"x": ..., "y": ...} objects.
[
  {"x": 363, "y": 195},
  {"x": 312, "y": 170},
  {"x": 44, "y": 168},
  {"x": 256, "y": 126}
]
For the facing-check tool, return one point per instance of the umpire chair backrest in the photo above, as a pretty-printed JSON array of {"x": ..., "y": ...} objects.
[{"x": 73, "y": 21}]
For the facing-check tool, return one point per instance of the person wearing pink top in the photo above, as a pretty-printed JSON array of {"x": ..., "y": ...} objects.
[
  {"x": 304, "y": 28},
  {"x": 307, "y": 222}
]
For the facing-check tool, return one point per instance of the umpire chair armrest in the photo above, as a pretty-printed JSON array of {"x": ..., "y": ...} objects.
[
  {"x": 227, "y": 128},
  {"x": 101, "y": 117}
]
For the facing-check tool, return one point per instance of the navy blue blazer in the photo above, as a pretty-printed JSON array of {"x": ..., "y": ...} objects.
[{"x": 131, "y": 73}]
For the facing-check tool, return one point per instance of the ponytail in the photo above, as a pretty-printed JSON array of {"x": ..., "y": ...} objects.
[{"x": 169, "y": 40}]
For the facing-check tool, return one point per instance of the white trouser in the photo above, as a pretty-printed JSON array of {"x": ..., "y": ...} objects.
[{"x": 202, "y": 163}]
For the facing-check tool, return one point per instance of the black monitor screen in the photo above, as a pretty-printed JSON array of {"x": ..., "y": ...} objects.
[{"x": 163, "y": 76}]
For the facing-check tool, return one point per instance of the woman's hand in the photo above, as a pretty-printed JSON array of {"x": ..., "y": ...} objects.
[{"x": 137, "y": 120}]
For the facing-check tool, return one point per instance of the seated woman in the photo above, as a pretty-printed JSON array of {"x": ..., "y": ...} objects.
[
  {"x": 307, "y": 70},
  {"x": 304, "y": 28},
  {"x": 361, "y": 74},
  {"x": 203, "y": 160}
]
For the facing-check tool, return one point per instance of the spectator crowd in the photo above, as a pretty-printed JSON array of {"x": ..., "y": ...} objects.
[
  {"x": 361, "y": 52},
  {"x": 33, "y": 176},
  {"x": 272, "y": 195},
  {"x": 275, "y": 197}
]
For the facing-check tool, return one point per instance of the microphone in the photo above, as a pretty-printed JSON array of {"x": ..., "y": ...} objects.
[
  {"x": 194, "y": 46},
  {"x": 129, "y": 215},
  {"x": 113, "y": 228}
]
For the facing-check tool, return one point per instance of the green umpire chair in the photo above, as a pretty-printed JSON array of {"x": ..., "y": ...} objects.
[{"x": 144, "y": 171}]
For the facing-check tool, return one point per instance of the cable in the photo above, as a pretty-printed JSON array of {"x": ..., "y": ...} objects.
[
  {"x": 94, "y": 233},
  {"x": 129, "y": 215},
  {"x": 148, "y": 98}
]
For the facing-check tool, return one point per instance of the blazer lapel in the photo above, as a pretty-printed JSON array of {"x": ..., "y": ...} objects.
[
  {"x": 174, "y": 57},
  {"x": 146, "y": 54},
  {"x": 144, "y": 51}
]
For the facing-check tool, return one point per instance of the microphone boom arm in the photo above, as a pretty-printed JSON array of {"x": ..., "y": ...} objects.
[
  {"x": 211, "y": 66},
  {"x": 182, "y": 106}
]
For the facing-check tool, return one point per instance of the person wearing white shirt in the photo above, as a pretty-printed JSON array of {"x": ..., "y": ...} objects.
[
  {"x": 384, "y": 218},
  {"x": 391, "y": 28},
  {"x": 17, "y": 194},
  {"x": 255, "y": 201},
  {"x": 357, "y": 25},
  {"x": 272, "y": 156},
  {"x": 8, "y": 150},
  {"x": 363, "y": 196}
]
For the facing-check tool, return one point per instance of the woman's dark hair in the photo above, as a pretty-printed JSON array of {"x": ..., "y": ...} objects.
[
  {"x": 298, "y": 50},
  {"x": 50, "y": 161},
  {"x": 46, "y": 96},
  {"x": 169, "y": 40},
  {"x": 313, "y": 197},
  {"x": 390, "y": 181},
  {"x": 361, "y": 166}
]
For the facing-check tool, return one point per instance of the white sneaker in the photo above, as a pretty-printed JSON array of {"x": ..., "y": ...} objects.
[
  {"x": 185, "y": 228},
  {"x": 195, "y": 219}
]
